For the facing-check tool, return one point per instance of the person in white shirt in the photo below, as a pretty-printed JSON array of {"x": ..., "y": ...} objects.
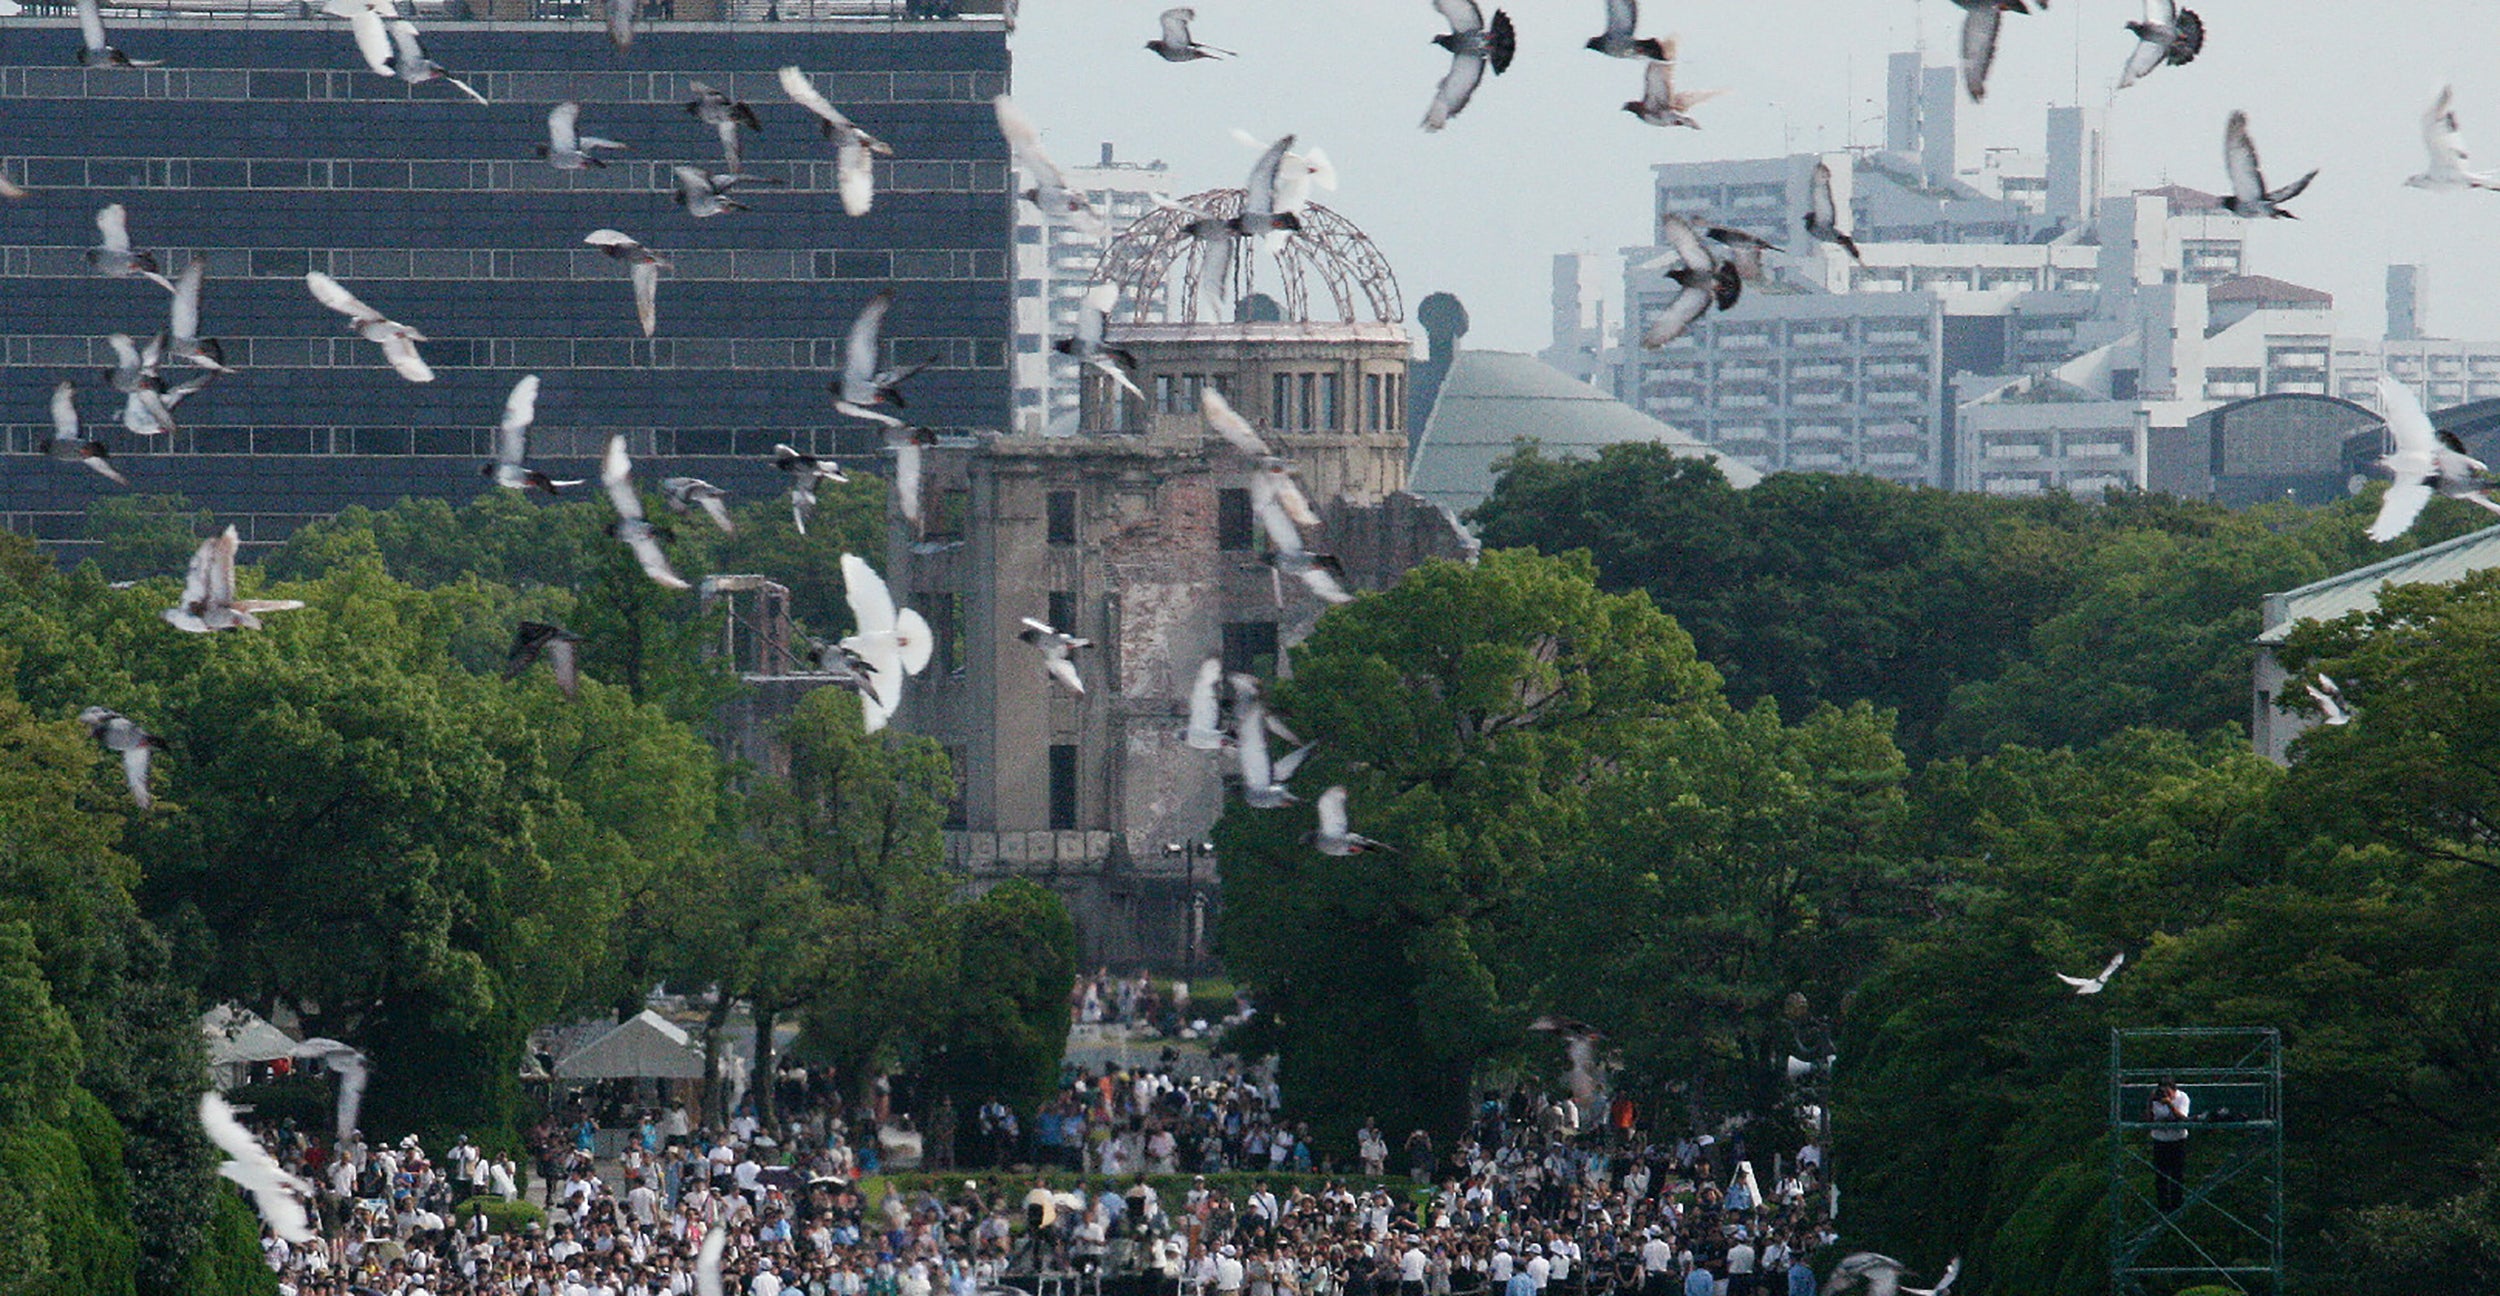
[
  {"x": 1540, "y": 1270},
  {"x": 1411, "y": 1268},
  {"x": 2170, "y": 1104}
]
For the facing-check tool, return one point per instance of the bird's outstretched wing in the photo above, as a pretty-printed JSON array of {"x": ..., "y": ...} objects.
[
  {"x": 1226, "y": 423},
  {"x": 1458, "y": 85}
]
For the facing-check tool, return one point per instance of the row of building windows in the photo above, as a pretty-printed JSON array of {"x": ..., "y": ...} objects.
[
  {"x": 860, "y": 444},
  {"x": 1304, "y": 402},
  {"x": 296, "y": 85},
  {"x": 344, "y": 352},
  {"x": 459, "y": 175},
  {"x": 742, "y": 265}
]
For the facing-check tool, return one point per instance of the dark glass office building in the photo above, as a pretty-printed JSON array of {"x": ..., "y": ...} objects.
[{"x": 266, "y": 146}]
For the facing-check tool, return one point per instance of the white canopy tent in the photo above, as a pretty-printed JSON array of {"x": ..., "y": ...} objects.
[
  {"x": 238, "y": 1037},
  {"x": 645, "y": 1046}
]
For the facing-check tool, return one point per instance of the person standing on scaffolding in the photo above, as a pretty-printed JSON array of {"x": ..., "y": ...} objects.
[{"x": 2169, "y": 1110}]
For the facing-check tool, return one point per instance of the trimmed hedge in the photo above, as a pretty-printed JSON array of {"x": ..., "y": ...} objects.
[
  {"x": 229, "y": 1262},
  {"x": 501, "y": 1216},
  {"x": 68, "y": 1184}
]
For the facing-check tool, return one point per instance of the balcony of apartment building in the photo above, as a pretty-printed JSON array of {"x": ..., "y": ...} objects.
[
  {"x": 1891, "y": 334},
  {"x": 1758, "y": 370},
  {"x": 1743, "y": 336},
  {"x": 1879, "y": 279},
  {"x": 1819, "y": 335},
  {"x": 1819, "y": 395},
  {"x": 1894, "y": 396},
  {"x": 2233, "y": 382}
]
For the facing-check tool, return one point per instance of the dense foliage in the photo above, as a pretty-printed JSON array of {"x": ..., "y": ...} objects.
[
  {"x": 1591, "y": 828},
  {"x": 1977, "y": 620},
  {"x": 362, "y": 824}
]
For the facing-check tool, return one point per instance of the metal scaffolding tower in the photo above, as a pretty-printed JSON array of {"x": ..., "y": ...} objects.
[{"x": 2227, "y": 1228}]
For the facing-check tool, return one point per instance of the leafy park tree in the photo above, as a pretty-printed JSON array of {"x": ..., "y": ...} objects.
[
  {"x": 1527, "y": 741},
  {"x": 1016, "y": 959}
]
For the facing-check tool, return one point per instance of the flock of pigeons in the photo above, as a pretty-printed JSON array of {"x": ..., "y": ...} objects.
[{"x": 1710, "y": 264}]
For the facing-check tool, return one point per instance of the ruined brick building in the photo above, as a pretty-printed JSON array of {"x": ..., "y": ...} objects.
[{"x": 1133, "y": 529}]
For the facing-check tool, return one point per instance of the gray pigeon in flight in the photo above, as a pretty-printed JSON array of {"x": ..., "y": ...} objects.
[
  {"x": 1704, "y": 277},
  {"x": 805, "y": 470},
  {"x": 567, "y": 149},
  {"x": 1661, "y": 104},
  {"x": 1087, "y": 346},
  {"x": 1176, "y": 45},
  {"x": 185, "y": 342},
  {"x": 1474, "y": 46},
  {"x": 1058, "y": 649},
  {"x": 410, "y": 64},
  {"x": 2329, "y": 696},
  {"x": 2093, "y": 985},
  {"x": 866, "y": 384},
  {"x": 2168, "y": 34},
  {"x": 684, "y": 495},
  {"x": 855, "y": 150},
  {"x": 1623, "y": 17},
  {"x": 724, "y": 115},
  {"x": 1051, "y": 193},
  {"x": 2249, "y": 196},
  {"x": 642, "y": 265},
  {"x": 1822, "y": 219},
  {"x": 92, "y": 48},
  {"x": 1980, "y": 19},
  {"x": 397, "y": 340},
  {"x": 113, "y": 257},
  {"x": 139, "y": 374},
  {"x": 536, "y": 639},
  {"x": 208, "y": 603},
  {"x": 1333, "y": 836},
  {"x": 616, "y": 474},
  {"x": 68, "y": 445},
  {"x": 117, "y": 734},
  {"x": 511, "y": 469}
]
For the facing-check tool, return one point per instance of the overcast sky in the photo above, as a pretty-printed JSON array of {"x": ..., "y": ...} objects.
[{"x": 1544, "y": 161}]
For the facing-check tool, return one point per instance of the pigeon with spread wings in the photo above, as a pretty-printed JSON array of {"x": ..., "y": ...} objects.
[
  {"x": 118, "y": 734},
  {"x": 2249, "y": 196},
  {"x": 567, "y": 149},
  {"x": 887, "y": 643},
  {"x": 1661, "y": 104},
  {"x": 112, "y": 255},
  {"x": 642, "y": 266},
  {"x": 1822, "y": 219},
  {"x": 94, "y": 49},
  {"x": 1474, "y": 46},
  {"x": 1058, "y": 649},
  {"x": 2445, "y": 143},
  {"x": 855, "y": 151},
  {"x": 1333, "y": 836},
  {"x": 1623, "y": 18},
  {"x": 208, "y": 602},
  {"x": 1087, "y": 346},
  {"x": 2425, "y": 461},
  {"x": 1176, "y": 45},
  {"x": 616, "y": 475},
  {"x": 69, "y": 444},
  {"x": 277, "y": 1195},
  {"x": 398, "y": 341},
  {"x": 511, "y": 469},
  {"x": 2093, "y": 985},
  {"x": 1051, "y": 193},
  {"x": 536, "y": 639},
  {"x": 2168, "y": 34}
]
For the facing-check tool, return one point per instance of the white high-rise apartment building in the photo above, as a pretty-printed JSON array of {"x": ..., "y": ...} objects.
[{"x": 1055, "y": 263}]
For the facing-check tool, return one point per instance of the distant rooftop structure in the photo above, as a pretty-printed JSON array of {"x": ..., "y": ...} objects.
[
  {"x": 1492, "y": 399},
  {"x": 2268, "y": 290},
  {"x": 2272, "y": 729},
  {"x": 2184, "y": 200}
]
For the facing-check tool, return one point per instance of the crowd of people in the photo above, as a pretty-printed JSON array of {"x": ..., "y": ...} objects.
[{"x": 1523, "y": 1205}]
